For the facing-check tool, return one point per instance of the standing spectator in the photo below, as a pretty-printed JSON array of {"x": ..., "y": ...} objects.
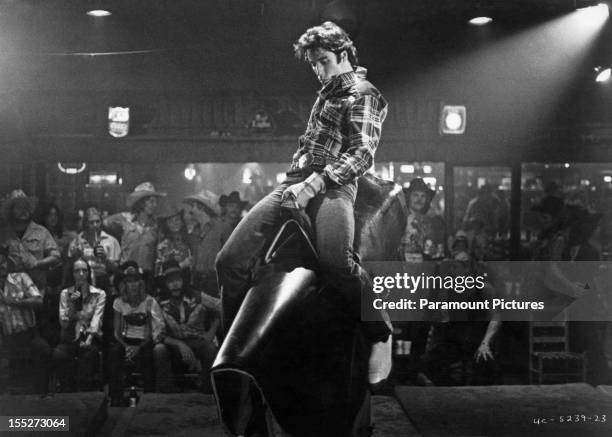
[
  {"x": 53, "y": 219},
  {"x": 173, "y": 245},
  {"x": 19, "y": 296},
  {"x": 485, "y": 206},
  {"x": 232, "y": 207},
  {"x": 206, "y": 241},
  {"x": 139, "y": 331},
  {"x": 99, "y": 249},
  {"x": 138, "y": 228},
  {"x": 419, "y": 242},
  {"x": 187, "y": 336},
  {"x": 416, "y": 248},
  {"x": 31, "y": 247},
  {"x": 81, "y": 316}
]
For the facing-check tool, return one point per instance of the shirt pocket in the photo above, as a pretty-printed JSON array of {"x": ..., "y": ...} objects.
[
  {"x": 34, "y": 246},
  {"x": 331, "y": 113}
]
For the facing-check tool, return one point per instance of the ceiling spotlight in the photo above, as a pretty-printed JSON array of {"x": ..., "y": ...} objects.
[
  {"x": 98, "y": 13},
  {"x": 480, "y": 21},
  {"x": 603, "y": 74}
]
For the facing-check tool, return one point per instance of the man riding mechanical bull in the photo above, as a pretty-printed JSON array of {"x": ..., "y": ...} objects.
[{"x": 338, "y": 147}]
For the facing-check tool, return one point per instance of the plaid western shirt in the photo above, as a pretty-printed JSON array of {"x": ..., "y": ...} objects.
[{"x": 343, "y": 129}]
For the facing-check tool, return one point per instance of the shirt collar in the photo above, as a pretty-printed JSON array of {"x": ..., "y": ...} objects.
[{"x": 342, "y": 82}]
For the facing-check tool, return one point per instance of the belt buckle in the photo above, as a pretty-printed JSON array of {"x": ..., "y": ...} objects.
[{"x": 306, "y": 160}]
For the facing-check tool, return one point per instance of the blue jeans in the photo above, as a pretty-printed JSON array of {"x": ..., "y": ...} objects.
[{"x": 332, "y": 216}]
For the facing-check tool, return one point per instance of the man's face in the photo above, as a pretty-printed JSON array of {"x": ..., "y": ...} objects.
[
  {"x": 174, "y": 284},
  {"x": 21, "y": 211},
  {"x": 417, "y": 201},
  {"x": 233, "y": 211},
  {"x": 325, "y": 64},
  {"x": 150, "y": 205}
]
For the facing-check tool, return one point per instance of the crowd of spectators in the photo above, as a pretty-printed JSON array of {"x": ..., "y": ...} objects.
[
  {"x": 135, "y": 293},
  {"x": 127, "y": 296}
]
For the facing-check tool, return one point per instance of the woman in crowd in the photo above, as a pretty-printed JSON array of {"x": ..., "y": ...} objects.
[
  {"x": 81, "y": 314},
  {"x": 138, "y": 331}
]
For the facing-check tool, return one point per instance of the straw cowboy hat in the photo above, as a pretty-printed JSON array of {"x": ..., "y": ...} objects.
[
  {"x": 18, "y": 195},
  {"x": 146, "y": 189},
  {"x": 207, "y": 198},
  {"x": 233, "y": 197}
]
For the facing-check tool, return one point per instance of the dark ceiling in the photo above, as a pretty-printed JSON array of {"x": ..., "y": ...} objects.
[{"x": 231, "y": 44}]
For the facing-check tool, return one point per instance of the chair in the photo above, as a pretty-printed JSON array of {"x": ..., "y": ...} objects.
[{"x": 550, "y": 360}]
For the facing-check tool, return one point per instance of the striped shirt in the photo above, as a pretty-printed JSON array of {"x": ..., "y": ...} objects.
[{"x": 343, "y": 129}]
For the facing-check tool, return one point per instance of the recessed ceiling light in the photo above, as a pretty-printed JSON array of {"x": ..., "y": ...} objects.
[
  {"x": 480, "y": 21},
  {"x": 603, "y": 74},
  {"x": 98, "y": 13}
]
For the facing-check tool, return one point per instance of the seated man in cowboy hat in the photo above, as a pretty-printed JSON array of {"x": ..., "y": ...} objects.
[
  {"x": 232, "y": 207},
  {"x": 31, "y": 247},
  {"x": 206, "y": 239},
  {"x": 187, "y": 335},
  {"x": 138, "y": 227}
]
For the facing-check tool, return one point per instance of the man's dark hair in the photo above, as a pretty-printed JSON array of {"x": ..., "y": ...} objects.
[{"x": 327, "y": 36}]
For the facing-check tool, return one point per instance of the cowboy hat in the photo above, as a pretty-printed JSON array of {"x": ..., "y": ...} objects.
[
  {"x": 146, "y": 189},
  {"x": 233, "y": 197},
  {"x": 129, "y": 268},
  {"x": 207, "y": 198},
  {"x": 18, "y": 195},
  {"x": 418, "y": 184},
  {"x": 170, "y": 267}
]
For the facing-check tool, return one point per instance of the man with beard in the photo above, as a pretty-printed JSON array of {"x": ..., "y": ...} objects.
[{"x": 186, "y": 333}]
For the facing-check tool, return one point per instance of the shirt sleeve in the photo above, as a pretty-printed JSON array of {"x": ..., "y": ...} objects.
[
  {"x": 30, "y": 289},
  {"x": 114, "y": 249},
  {"x": 365, "y": 119},
  {"x": 64, "y": 306},
  {"x": 72, "y": 247},
  {"x": 172, "y": 325},
  {"x": 157, "y": 321},
  {"x": 95, "y": 326},
  {"x": 49, "y": 245}
]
